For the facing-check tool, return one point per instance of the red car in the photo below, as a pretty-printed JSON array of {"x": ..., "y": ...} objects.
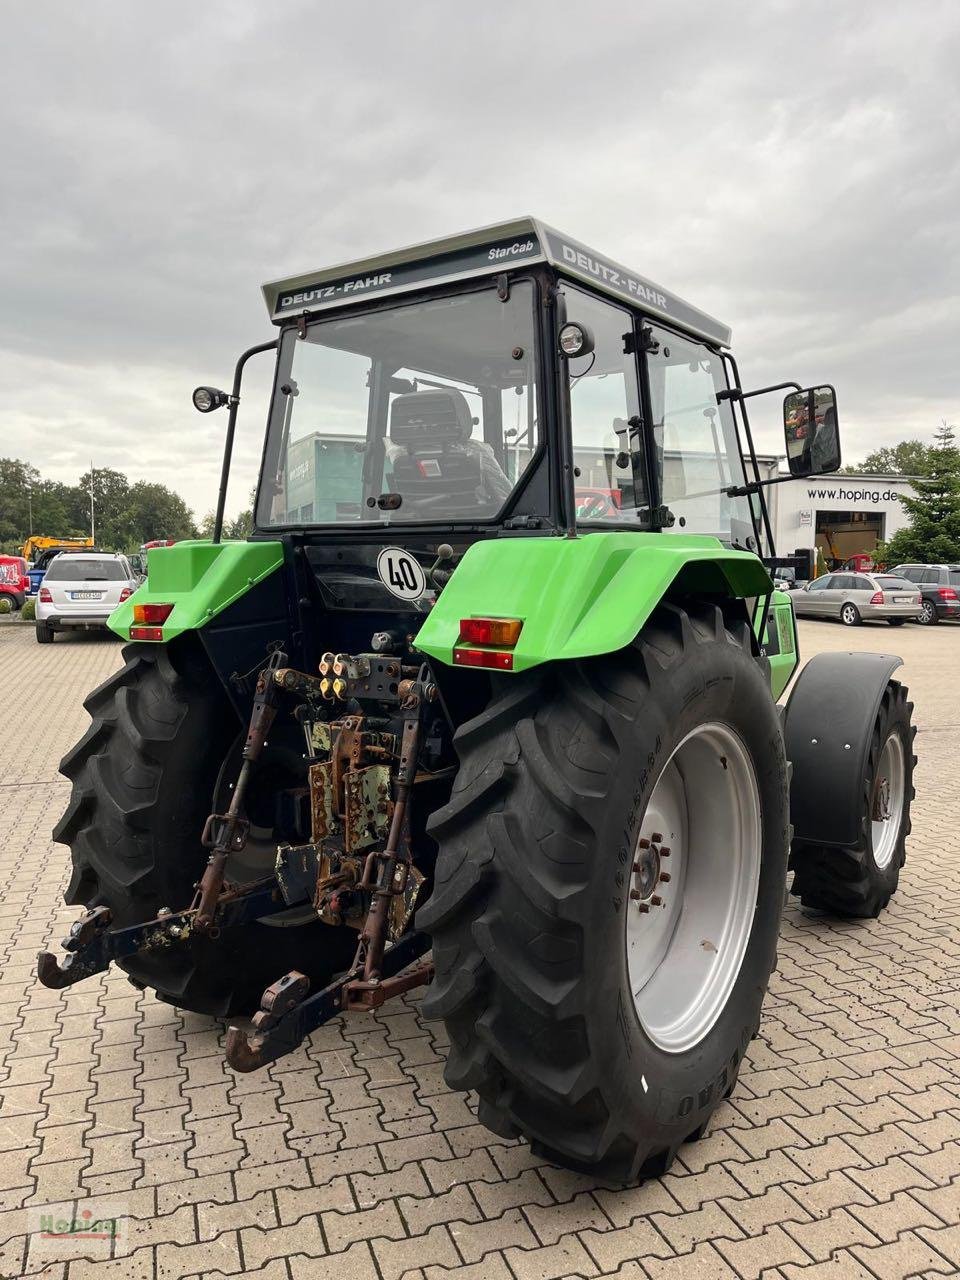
[{"x": 14, "y": 583}]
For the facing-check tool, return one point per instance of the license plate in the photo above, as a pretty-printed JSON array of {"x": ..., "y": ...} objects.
[
  {"x": 85, "y": 595},
  {"x": 903, "y": 600}
]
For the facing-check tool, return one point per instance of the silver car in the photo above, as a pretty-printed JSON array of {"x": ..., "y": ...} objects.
[
  {"x": 859, "y": 597},
  {"x": 81, "y": 590}
]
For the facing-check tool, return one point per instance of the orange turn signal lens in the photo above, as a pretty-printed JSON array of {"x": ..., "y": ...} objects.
[
  {"x": 499, "y": 633},
  {"x": 483, "y": 658},
  {"x": 152, "y": 613}
]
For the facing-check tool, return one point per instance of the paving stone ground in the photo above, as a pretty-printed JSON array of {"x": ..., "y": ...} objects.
[{"x": 837, "y": 1156}]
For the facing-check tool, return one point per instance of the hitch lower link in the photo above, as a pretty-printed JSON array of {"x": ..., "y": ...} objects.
[{"x": 92, "y": 945}]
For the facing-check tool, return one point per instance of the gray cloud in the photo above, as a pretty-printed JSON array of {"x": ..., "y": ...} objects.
[{"x": 793, "y": 168}]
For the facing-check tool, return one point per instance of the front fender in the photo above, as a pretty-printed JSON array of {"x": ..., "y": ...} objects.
[
  {"x": 827, "y": 729},
  {"x": 200, "y": 579},
  {"x": 580, "y": 597}
]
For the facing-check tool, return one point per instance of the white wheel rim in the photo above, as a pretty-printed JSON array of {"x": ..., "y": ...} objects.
[
  {"x": 686, "y": 935},
  {"x": 889, "y": 792}
]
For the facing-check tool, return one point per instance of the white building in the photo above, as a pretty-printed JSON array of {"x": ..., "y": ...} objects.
[{"x": 841, "y": 515}]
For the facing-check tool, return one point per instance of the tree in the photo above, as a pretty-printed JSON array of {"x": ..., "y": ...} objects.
[
  {"x": 25, "y": 500},
  {"x": 238, "y": 528},
  {"x": 110, "y": 497},
  {"x": 154, "y": 511},
  {"x": 933, "y": 534},
  {"x": 126, "y": 515},
  {"x": 17, "y": 478},
  {"x": 908, "y": 458}
]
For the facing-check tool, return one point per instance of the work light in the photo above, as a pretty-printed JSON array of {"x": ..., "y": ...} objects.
[
  {"x": 575, "y": 340},
  {"x": 207, "y": 398}
]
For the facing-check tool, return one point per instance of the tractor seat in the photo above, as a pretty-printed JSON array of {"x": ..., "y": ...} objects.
[{"x": 434, "y": 467}]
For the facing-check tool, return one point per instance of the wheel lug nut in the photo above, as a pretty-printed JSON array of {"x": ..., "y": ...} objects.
[
  {"x": 643, "y": 907},
  {"x": 635, "y": 894},
  {"x": 656, "y": 901},
  {"x": 643, "y": 844},
  {"x": 665, "y": 876},
  {"x": 656, "y": 837},
  {"x": 665, "y": 852}
]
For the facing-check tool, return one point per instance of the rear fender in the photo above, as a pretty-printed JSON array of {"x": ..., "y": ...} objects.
[
  {"x": 200, "y": 579},
  {"x": 585, "y": 596},
  {"x": 827, "y": 728}
]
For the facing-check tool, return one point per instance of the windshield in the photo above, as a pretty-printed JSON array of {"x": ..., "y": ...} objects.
[
  {"x": 424, "y": 412},
  {"x": 78, "y": 569}
]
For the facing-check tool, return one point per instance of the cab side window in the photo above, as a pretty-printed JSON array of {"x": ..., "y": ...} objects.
[{"x": 610, "y": 483}]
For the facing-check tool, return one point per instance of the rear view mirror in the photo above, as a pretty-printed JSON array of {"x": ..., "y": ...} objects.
[{"x": 810, "y": 431}]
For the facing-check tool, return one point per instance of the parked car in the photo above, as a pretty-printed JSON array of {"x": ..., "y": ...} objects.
[
  {"x": 859, "y": 597},
  {"x": 14, "y": 583},
  {"x": 82, "y": 590},
  {"x": 940, "y": 586}
]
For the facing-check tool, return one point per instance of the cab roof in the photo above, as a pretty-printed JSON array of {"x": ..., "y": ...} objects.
[{"x": 485, "y": 251}]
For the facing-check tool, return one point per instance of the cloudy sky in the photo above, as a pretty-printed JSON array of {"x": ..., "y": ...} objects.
[{"x": 793, "y": 168}]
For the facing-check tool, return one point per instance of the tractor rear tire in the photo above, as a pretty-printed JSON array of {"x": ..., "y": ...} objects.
[
  {"x": 144, "y": 776},
  {"x": 857, "y": 882},
  {"x": 536, "y": 908}
]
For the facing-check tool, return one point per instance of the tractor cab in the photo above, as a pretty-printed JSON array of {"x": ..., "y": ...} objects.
[
  {"x": 509, "y": 381},
  {"x": 504, "y": 380}
]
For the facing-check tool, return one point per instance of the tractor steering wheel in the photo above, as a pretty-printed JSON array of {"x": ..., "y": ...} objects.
[{"x": 596, "y": 505}]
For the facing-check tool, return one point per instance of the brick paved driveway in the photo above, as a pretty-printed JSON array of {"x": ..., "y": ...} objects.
[{"x": 839, "y": 1154}]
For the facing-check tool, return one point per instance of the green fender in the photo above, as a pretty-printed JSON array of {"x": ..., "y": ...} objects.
[
  {"x": 579, "y": 597},
  {"x": 199, "y": 579}
]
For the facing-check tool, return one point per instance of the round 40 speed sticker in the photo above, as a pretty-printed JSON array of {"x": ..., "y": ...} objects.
[{"x": 401, "y": 573}]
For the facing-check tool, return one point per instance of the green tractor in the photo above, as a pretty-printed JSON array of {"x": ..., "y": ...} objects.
[{"x": 494, "y": 678}]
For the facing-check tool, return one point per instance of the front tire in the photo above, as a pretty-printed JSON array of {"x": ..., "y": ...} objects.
[
  {"x": 540, "y": 847},
  {"x": 161, "y": 741}
]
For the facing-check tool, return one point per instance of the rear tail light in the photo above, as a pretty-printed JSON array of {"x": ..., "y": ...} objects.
[
  {"x": 125, "y": 594},
  {"x": 483, "y": 658},
  {"x": 877, "y": 598},
  {"x": 947, "y": 593},
  {"x": 45, "y": 596},
  {"x": 498, "y": 633},
  {"x": 152, "y": 613},
  {"x": 146, "y": 633}
]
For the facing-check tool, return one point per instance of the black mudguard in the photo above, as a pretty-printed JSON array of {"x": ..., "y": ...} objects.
[{"x": 827, "y": 728}]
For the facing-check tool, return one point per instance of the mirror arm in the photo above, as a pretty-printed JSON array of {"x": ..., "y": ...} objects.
[
  {"x": 735, "y": 393},
  {"x": 744, "y": 490}
]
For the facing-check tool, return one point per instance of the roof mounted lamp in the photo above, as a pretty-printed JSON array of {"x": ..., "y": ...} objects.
[{"x": 206, "y": 399}]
